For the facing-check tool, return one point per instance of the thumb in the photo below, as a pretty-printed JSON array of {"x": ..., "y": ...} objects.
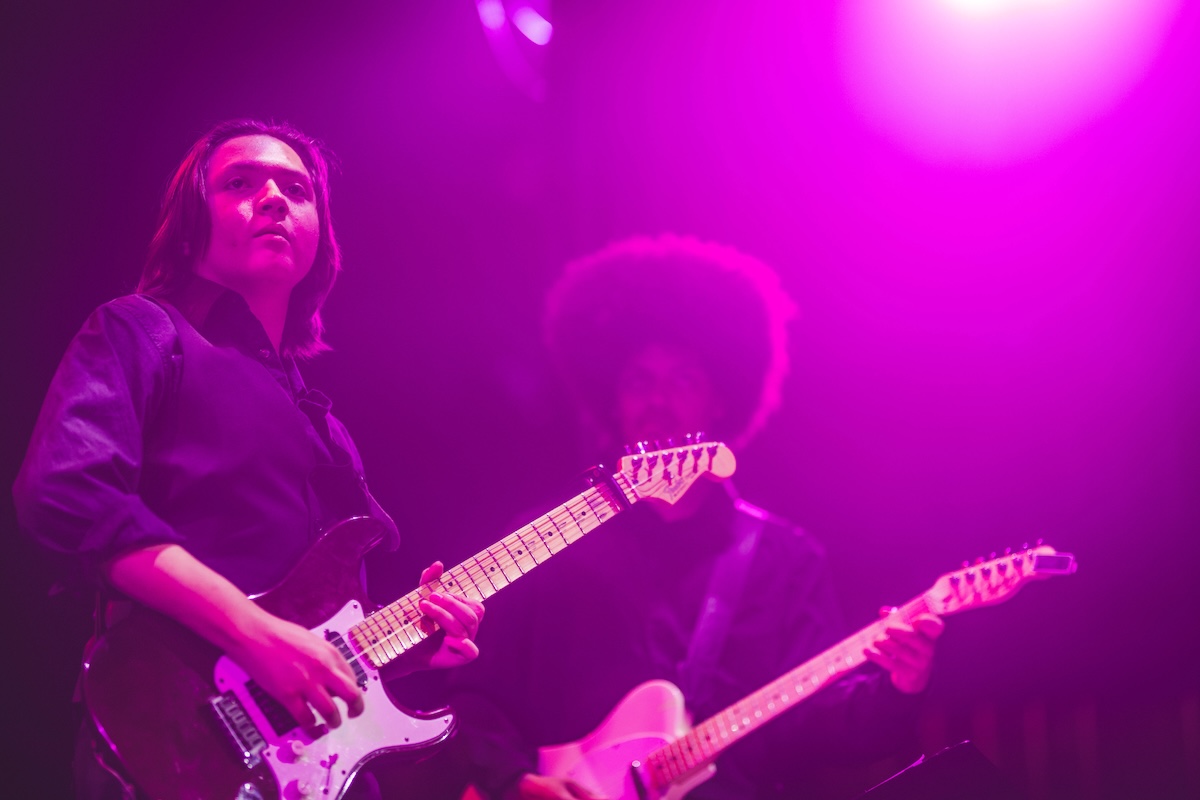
[{"x": 930, "y": 626}]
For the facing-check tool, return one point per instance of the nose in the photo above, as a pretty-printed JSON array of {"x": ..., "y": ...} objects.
[{"x": 271, "y": 201}]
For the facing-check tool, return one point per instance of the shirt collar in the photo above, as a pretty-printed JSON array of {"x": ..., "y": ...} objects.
[{"x": 221, "y": 315}]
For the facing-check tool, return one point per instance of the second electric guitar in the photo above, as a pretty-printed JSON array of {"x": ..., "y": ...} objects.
[{"x": 645, "y": 750}]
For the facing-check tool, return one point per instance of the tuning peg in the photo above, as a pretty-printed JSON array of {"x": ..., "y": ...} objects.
[
  {"x": 1025, "y": 545},
  {"x": 670, "y": 441},
  {"x": 657, "y": 445},
  {"x": 628, "y": 449},
  {"x": 1040, "y": 542},
  {"x": 979, "y": 559},
  {"x": 1008, "y": 551},
  {"x": 966, "y": 564},
  {"x": 641, "y": 447},
  {"x": 992, "y": 557},
  {"x": 700, "y": 436}
]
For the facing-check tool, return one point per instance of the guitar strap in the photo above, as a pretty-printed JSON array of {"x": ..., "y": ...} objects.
[{"x": 725, "y": 587}]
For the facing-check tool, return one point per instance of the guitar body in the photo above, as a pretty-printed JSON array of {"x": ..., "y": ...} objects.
[
  {"x": 646, "y": 719},
  {"x": 149, "y": 684}
]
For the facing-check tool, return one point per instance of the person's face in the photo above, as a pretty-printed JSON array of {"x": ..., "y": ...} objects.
[
  {"x": 664, "y": 392},
  {"x": 265, "y": 226}
]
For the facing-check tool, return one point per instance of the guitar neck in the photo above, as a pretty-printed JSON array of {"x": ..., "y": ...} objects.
[
  {"x": 394, "y": 629},
  {"x": 701, "y": 746},
  {"x": 974, "y": 586}
]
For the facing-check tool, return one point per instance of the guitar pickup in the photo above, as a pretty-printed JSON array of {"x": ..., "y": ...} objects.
[
  {"x": 243, "y": 733},
  {"x": 360, "y": 675}
]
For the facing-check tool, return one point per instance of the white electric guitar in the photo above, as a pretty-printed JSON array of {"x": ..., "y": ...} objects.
[
  {"x": 187, "y": 723},
  {"x": 646, "y": 750}
]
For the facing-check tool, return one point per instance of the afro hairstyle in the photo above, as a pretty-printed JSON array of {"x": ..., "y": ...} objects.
[{"x": 711, "y": 300}]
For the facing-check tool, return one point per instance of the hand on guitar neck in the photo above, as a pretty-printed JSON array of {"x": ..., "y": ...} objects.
[
  {"x": 907, "y": 650},
  {"x": 457, "y": 619}
]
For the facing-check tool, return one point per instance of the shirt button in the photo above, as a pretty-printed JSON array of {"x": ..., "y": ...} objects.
[{"x": 264, "y": 354}]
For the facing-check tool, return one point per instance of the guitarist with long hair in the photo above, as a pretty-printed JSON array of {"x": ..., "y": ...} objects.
[
  {"x": 658, "y": 337},
  {"x": 180, "y": 463}
]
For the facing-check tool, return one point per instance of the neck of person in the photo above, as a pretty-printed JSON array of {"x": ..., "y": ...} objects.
[
  {"x": 268, "y": 301},
  {"x": 271, "y": 309}
]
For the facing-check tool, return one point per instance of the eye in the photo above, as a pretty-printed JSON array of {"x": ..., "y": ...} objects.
[
  {"x": 236, "y": 183},
  {"x": 298, "y": 190}
]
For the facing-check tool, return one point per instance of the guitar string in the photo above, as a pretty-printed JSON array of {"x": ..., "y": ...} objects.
[
  {"x": 695, "y": 748},
  {"x": 381, "y": 645},
  {"x": 652, "y": 486},
  {"x": 778, "y": 688}
]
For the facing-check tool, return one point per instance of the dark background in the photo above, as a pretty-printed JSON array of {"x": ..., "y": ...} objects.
[{"x": 987, "y": 354}]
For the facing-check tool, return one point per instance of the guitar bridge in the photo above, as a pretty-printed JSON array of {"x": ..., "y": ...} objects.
[{"x": 243, "y": 733}]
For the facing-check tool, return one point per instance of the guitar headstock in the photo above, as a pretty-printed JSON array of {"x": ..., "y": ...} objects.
[
  {"x": 986, "y": 583},
  {"x": 665, "y": 474}
]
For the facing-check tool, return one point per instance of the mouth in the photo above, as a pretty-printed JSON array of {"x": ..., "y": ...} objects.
[{"x": 274, "y": 230}]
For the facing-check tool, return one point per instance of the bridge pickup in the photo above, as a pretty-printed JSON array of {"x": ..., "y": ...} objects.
[{"x": 243, "y": 733}]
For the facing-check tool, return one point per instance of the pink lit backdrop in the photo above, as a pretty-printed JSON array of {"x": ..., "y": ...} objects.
[{"x": 994, "y": 257}]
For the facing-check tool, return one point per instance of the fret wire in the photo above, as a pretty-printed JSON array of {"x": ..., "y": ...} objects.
[
  {"x": 475, "y": 569},
  {"x": 461, "y": 575},
  {"x": 557, "y": 529},
  {"x": 388, "y": 645},
  {"x": 525, "y": 549},
  {"x": 489, "y": 588},
  {"x": 512, "y": 558},
  {"x": 493, "y": 568}
]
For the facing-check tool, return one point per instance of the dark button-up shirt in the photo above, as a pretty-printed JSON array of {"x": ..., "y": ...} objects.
[{"x": 177, "y": 422}]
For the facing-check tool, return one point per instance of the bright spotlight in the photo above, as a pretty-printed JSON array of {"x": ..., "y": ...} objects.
[
  {"x": 520, "y": 48},
  {"x": 995, "y": 80},
  {"x": 536, "y": 28},
  {"x": 491, "y": 14}
]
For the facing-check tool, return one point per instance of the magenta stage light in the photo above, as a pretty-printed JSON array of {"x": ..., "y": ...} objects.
[
  {"x": 993, "y": 81},
  {"x": 491, "y": 14},
  {"x": 520, "y": 48},
  {"x": 536, "y": 28}
]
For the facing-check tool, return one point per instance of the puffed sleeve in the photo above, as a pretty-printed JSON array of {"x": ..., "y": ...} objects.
[{"x": 77, "y": 489}]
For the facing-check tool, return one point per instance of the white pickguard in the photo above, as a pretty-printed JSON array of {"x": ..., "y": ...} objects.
[
  {"x": 320, "y": 763},
  {"x": 650, "y": 716}
]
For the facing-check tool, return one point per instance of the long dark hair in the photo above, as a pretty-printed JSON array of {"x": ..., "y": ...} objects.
[{"x": 184, "y": 227}]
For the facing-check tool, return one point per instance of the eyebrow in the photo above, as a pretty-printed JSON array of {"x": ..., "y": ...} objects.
[{"x": 256, "y": 166}]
